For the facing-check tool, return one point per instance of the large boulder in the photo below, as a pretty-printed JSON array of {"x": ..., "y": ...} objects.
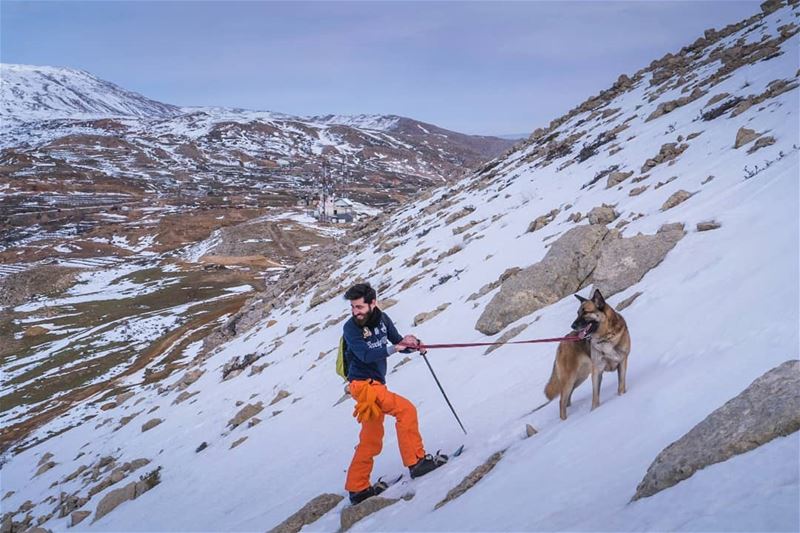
[
  {"x": 309, "y": 514},
  {"x": 768, "y": 408},
  {"x": 624, "y": 262},
  {"x": 564, "y": 270}
]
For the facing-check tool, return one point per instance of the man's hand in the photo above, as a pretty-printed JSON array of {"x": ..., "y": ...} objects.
[{"x": 409, "y": 341}]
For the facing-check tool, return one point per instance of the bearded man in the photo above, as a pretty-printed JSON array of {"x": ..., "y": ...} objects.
[{"x": 370, "y": 338}]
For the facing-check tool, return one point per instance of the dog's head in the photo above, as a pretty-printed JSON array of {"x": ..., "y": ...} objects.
[{"x": 591, "y": 314}]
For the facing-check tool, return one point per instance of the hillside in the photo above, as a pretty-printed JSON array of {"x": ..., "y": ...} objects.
[{"x": 685, "y": 172}]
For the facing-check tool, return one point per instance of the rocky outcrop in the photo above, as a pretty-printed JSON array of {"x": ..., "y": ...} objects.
[
  {"x": 424, "y": 317},
  {"x": 603, "y": 214},
  {"x": 150, "y": 424},
  {"x": 678, "y": 197},
  {"x": 564, "y": 270},
  {"x": 744, "y": 136},
  {"x": 768, "y": 408},
  {"x": 351, "y": 515},
  {"x": 624, "y": 262},
  {"x": 543, "y": 220},
  {"x": 248, "y": 411},
  {"x": 472, "y": 478},
  {"x": 668, "y": 152},
  {"x": 583, "y": 255},
  {"x": 505, "y": 337},
  {"x": 615, "y": 178},
  {"x": 310, "y": 513},
  {"x": 117, "y": 497}
]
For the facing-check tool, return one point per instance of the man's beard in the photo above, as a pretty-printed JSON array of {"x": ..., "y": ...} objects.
[
  {"x": 371, "y": 318},
  {"x": 363, "y": 321}
]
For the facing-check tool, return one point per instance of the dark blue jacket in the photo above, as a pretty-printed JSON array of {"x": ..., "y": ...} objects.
[{"x": 369, "y": 346}]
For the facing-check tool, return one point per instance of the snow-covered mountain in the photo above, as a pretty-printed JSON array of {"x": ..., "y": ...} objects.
[
  {"x": 705, "y": 139},
  {"x": 30, "y": 93}
]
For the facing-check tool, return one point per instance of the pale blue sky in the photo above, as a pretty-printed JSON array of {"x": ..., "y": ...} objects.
[{"x": 475, "y": 67}]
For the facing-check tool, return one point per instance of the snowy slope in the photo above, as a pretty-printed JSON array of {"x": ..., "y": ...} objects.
[
  {"x": 30, "y": 92},
  {"x": 719, "y": 311}
]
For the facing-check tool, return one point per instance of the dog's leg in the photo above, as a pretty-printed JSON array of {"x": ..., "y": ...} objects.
[
  {"x": 597, "y": 379},
  {"x": 621, "y": 370},
  {"x": 567, "y": 386}
]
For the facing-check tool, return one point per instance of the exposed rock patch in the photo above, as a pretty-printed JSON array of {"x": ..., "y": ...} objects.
[
  {"x": 424, "y": 317},
  {"x": 507, "y": 336},
  {"x": 564, "y": 270},
  {"x": 678, "y": 197},
  {"x": 604, "y": 214},
  {"x": 768, "y": 408},
  {"x": 744, "y": 136},
  {"x": 351, "y": 515},
  {"x": 248, "y": 411},
  {"x": 472, "y": 479},
  {"x": 310, "y": 513},
  {"x": 623, "y": 262}
]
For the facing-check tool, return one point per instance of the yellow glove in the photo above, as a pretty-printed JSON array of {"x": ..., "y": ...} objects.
[{"x": 366, "y": 407}]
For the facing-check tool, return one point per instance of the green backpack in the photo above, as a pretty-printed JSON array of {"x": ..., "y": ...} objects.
[{"x": 341, "y": 360}]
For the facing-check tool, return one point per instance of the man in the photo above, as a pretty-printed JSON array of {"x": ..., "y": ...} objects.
[{"x": 371, "y": 337}]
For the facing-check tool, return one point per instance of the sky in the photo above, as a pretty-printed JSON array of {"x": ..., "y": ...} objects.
[{"x": 475, "y": 67}]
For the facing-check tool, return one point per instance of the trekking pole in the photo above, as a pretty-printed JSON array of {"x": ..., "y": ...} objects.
[{"x": 423, "y": 353}]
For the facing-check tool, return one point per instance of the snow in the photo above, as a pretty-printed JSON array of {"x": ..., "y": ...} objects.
[{"x": 717, "y": 313}]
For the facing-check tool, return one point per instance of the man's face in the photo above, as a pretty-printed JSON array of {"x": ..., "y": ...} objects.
[{"x": 361, "y": 310}]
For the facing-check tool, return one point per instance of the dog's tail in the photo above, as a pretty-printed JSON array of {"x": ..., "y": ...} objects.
[{"x": 553, "y": 387}]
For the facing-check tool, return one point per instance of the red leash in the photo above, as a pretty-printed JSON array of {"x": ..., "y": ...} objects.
[{"x": 581, "y": 335}]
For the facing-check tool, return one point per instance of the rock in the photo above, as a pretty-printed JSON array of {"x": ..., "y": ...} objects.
[
  {"x": 238, "y": 442},
  {"x": 676, "y": 198},
  {"x": 188, "y": 378},
  {"x": 761, "y": 143},
  {"x": 424, "y": 317},
  {"x": 77, "y": 517},
  {"x": 507, "y": 336},
  {"x": 246, "y": 412},
  {"x": 615, "y": 178},
  {"x": 563, "y": 271},
  {"x": 530, "y": 431},
  {"x": 282, "y": 394},
  {"x": 352, "y": 514},
  {"x": 708, "y": 225},
  {"x": 627, "y": 301},
  {"x": 113, "y": 499},
  {"x": 623, "y": 262},
  {"x": 183, "y": 396},
  {"x": 67, "y": 503},
  {"x": 472, "y": 478},
  {"x": 309, "y": 514},
  {"x": 744, "y": 136},
  {"x": 150, "y": 424},
  {"x": 543, "y": 220},
  {"x": 768, "y": 408},
  {"x": 44, "y": 468},
  {"x": 604, "y": 214},
  {"x": 636, "y": 191},
  {"x": 35, "y": 331},
  {"x": 45, "y": 458},
  {"x": 107, "y": 406},
  {"x": 384, "y": 260},
  {"x": 124, "y": 397}
]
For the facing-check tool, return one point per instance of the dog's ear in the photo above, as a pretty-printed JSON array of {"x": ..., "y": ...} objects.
[
  {"x": 598, "y": 299},
  {"x": 580, "y": 298}
]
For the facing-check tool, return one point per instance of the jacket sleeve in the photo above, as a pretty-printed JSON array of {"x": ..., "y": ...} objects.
[
  {"x": 356, "y": 344},
  {"x": 392, "y": 333}
]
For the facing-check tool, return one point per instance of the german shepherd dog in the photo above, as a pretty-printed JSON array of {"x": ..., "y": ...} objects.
[{"x": 605, "y": 347}]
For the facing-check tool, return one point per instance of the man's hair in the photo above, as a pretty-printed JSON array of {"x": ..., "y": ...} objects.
[{"x": 361, "y": 290}]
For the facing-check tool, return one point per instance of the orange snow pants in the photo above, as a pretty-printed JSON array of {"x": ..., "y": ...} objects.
[{"x": 371, "y": 436}]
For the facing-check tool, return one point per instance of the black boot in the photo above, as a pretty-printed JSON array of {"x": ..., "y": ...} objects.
[
  {"x": 374, "y": 490},
  {"x": 427, "y": 464}
]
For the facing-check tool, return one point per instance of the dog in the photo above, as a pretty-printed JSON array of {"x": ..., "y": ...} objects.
[{"x": 604, "y": 347}]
